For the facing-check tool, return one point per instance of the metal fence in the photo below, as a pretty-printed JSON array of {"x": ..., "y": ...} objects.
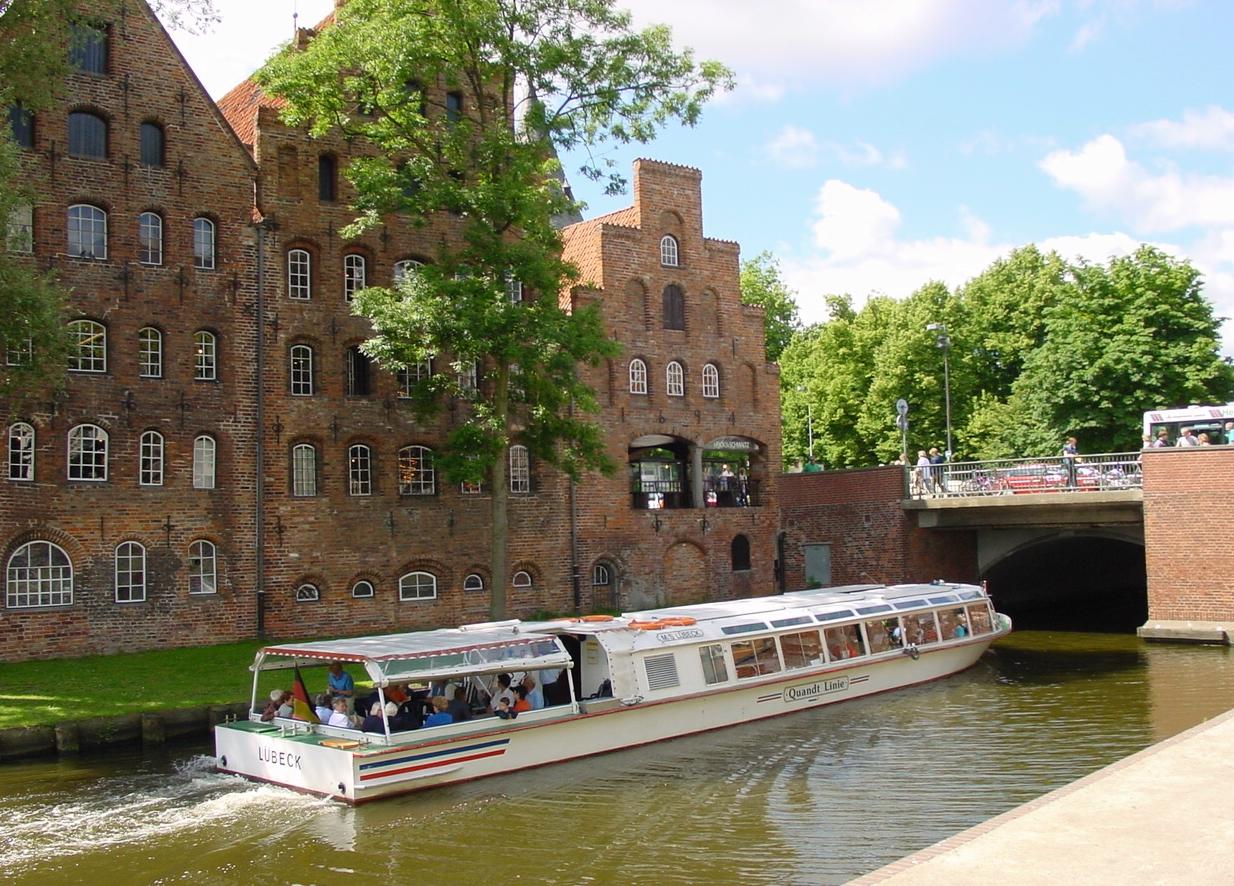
[{"x": 1011, "y": 476}]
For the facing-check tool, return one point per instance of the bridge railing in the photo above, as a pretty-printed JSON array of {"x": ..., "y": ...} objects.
[{"x": 1011, "y": 476}]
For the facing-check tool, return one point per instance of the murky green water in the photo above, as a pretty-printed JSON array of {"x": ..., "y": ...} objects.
[{"x": 817, "y": 797}]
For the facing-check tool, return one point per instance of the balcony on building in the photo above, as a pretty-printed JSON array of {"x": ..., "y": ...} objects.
[{"x": 671, "y": 473}]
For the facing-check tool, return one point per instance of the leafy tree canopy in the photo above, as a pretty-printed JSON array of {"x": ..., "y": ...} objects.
[{"x": 762, "y": 285}]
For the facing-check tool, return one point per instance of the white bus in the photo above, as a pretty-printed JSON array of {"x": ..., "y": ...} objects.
[{"x": 1209, "y": 420}]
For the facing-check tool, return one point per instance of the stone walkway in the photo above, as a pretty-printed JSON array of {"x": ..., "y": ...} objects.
[{"x": 1162, "y": 816}]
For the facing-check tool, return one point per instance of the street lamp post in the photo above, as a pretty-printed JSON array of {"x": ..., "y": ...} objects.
[
  {"x": 801, "y": 389},
  {"x": 944, "y": 342}
]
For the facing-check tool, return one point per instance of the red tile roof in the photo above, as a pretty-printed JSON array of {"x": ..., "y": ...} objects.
[{"x": 240, "y": 107}]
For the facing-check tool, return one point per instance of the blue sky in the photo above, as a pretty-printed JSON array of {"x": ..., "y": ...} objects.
[{"x": 873, "y": 145}]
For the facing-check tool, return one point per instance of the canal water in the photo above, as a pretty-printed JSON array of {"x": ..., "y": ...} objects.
[{"x": 812, "y": 798}]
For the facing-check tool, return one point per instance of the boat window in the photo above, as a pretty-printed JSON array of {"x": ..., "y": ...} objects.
[
  {"x": 789, "y": 622},
  {"x": 953, "y": 624},
  {"x": 910, "y": 604},
  {"x": 843, "y": 641},
  {"x": 884, "y": 634},
  {"x": 970, "y": 595},
  {"x": 756, "y": 657},
  {"x": 661, "y": 671},
  {"x": 979, "y": 619},
  {"x": 950, "y": 598},
  {"x": 714, "y": 668},
  {"x": 744, "y": 629},
  {"x": 834, "y": 616},
  {"x": 921, "y": 628},
  {"x": 801, "y": 650},
  {"x": 870, "y": 610}
]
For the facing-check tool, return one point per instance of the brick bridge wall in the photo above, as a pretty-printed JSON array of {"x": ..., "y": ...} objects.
[{"x": 872, "y": 538}]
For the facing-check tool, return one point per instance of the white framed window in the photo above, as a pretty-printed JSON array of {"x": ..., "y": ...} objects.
[
  {"x": 301, "y": 371},
  {"x": 39, "y": 574},
  {"x": 89, "y": 342},
  {"x": 355, "y": 273},
  {"x": 468, "y": 378},
  {"x": 21, "y": 452},
  {"x": 307, "y": 593},
  {"x": 674, "y": 379},
  {"x": 203, "y": 244},
  {"x": 149, "y": 353},
  {"x": 416, "y": 474},
  {"x": 19, "y": 237},
  {"x": 204, "y": 449},
  {"x": 362, "y": 589},
  {"x": 150, "y": 238},
  {"x": 522, "y": 579},
  {"x": 203, "y": 567},
  {"x": 87, "y": 232},
  {"x": 359, "y": 470},
  {"x": 150, "y": 459},
  {"x": 520, "y": 470},
  {"x": 417, "y": 586},
  {"x": 88, "y": 453},
  {"x": 514, "y": 289},
  {"x": 205, "y": 356},
  {"x": 299, "y": 274},
  {"x": 405, "y": 268},
  {"x": 20, "y": 353},
  {"x": 466, "y": 488},
  {"x": 638, "y": 376},
  {"x": 130, "y": 572},
  {"x": 669, "y": 254},
  {"x": 711, "y": 382},
  {"x": 601, "y": 576},
  {"x": 473, "y": 582},
  {"x": 304, "y": 470}
]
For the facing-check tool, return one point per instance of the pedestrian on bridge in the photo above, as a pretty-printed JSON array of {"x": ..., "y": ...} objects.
[{"x": 1070, "y": 453}]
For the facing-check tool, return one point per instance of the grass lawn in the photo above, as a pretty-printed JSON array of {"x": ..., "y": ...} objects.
[{"x": 39, "y": 693}]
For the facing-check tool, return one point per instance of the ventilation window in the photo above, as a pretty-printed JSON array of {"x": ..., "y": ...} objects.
[{"x": 661, "y": 671}]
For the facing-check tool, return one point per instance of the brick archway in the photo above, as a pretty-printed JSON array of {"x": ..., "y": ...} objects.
[{"x": 685, "y": 575}]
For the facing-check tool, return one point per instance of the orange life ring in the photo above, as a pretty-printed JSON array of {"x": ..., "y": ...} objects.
[
  {"x": 594, "y": 618},
  {"x": 678, "y": 621},
  {"x": 645, "y": 625}
]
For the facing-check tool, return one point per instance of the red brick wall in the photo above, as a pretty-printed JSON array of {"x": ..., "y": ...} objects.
[
  {"x": 872, "y": 538},
  {"x": 1188, "y": 534}
]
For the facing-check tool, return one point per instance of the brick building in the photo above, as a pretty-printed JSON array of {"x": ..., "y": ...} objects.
[{"x": 210, "y": 293}]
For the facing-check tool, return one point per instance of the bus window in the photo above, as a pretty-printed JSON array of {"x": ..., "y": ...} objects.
[
  {"x": 801, "y": 650},
  {"x": 843, "y": 642},
  {"x": 979, "y": 618}
]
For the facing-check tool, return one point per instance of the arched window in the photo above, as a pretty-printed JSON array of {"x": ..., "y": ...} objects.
[
  {"x": 405, "y": 268},
  {"x": 739, "y": 552},
  {"x": 149, "y": 352},
  {"x": 674, "y": 379},
  {"x": 21, "y": 452},
  {"x": 355, "y": 273},
  {"x": 417, "y": 586},
  {"x": 204, "y": 449},
  {"x": 205, "y": 356},
  {"x": 638, "y": 376},
  {"x": 203, "y": 243},
  {"x": 89, "y": 342},
  {"x": 669, "y": 256},
  {"x": 416, "y": 475},
  {"x": 304, "y": 470},
  {"x": 130, "y": 572},
  {"x": 150, "y": 238},
  {"x": 203, "y": 572},
  {"x": 327, "y": 178},
  {"x": 520, "y": 470},
  {"x": 473, "y": 582},
  {"x": 674, "y": 307},
  {"x": 152, "y": 144},
  {"x": 299, "y": 274},
  {"x": 468, "y": 378},
  {"x": 521, "y": 580},
  {"x": 307, "y": 593},
  {"x": 362, "y": 589},
  {"x": 359, "y": 470},
  {"x": 711, "y": 381},
  {"x": 87, "y": 136},
  {"x": 601, "y": 576},
  {"x": 39, "y": 574},
  {"x": 411, "y": 376},
  {"x": 150, "y": 459},
  {"x": 88, "y": 453},
  {"x": 87, "y": 232},
  {"x": 359, "y": 373},
  {"x": 301, "y": 371}
]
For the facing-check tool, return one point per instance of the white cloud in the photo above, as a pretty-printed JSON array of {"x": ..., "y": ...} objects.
[
  {"x": 853, "y": 221},
  {"x": 1210, "y": 129},
  {"x": 794, "y": 147},
  {"x": 1151, "y": 202}
]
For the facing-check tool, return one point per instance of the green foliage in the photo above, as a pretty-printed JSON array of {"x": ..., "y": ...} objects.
[
  {"x": 537, "y": 76},
  {"x": 762, "y": 285}
]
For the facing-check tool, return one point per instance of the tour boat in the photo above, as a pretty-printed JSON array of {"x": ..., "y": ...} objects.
[{"x": 621, "y": 681}]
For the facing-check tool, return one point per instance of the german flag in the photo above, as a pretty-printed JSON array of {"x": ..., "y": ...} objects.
[{"x": 301, "y": 707}]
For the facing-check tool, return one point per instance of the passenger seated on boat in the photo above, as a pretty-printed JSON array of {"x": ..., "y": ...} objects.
[
  {"x": 535, "y": 695},
  {"x": 411, "y": 712},
  {"x": 322, "y": 707},
  {"x": 521, "y": 704},
  {"x": 502, "y": 691},
  {"x": 279, "y": 705},
  {"x": 373, "y": 722},
  {"x": 458, "y": 707},
  {"x": 340, "y": 684},
  {"x": 504, "y": 711},
  {"x": 439, "y": 717},
  {"x": 340, "y": 717},
  {"x": 961, "y": 630}
]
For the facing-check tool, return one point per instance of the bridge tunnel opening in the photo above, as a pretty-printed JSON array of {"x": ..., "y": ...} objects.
[{"x": 1073, "y": 584}]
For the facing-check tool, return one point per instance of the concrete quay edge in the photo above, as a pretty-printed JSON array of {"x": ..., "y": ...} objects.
[
  {"x": 1162, "y": 815},
  {"x": 1193, "y": 631}
]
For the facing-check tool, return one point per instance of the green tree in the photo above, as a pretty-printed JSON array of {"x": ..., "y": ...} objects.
[
  {"x": 762, "y": 285},
  {"x": 539, "y": 76}
]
